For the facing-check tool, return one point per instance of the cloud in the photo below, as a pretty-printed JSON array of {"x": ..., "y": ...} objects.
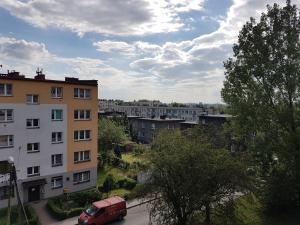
[
  {"x": 22, "y": 50},
  {"x": 117, "y": 17}
]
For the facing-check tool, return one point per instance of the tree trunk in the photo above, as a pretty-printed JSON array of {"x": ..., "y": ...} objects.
[{"x": 207, "y": 214}]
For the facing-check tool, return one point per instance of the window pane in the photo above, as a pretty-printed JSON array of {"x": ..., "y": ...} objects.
[
  {"x": 81, "y": 134},
  {"x": 81, "y": 93},
  {"x": 59, "y": 136},
  {"x": 88, "y": 114},
  {"x": 29, "y": 123},
  {"x": 35, "y": 122},
  {"x": 87, "y": 134},
  {"x": 76, "y": 92},
  {"x": 29, "y": 170},
  {"x": 36, "y": 146},
  {"x": 59, "y": 92},
  {"x": 9, "y": 89},
  {"x": 59, "y": 114},
  {"x": 87, "y": 93},
  {"x": 2, "y": 115},
  {"x": 75, "y": 114},
  {"x": 1, "y": 89},
  {"x": 35, "y": 98},
  {"x": 3, "y": 141},
  {"x": 81, "y": 114},
  {"x": 76, "y": 156},
  {"x": 29, "y": 98},
  {"x": 76, "y": 135},
  {"x": 9, "y": 114}
]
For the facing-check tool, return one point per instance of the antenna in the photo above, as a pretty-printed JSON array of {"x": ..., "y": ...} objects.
[{"x": 39, "y": 71}]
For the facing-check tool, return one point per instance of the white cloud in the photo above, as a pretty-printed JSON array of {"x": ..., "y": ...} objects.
[{"x": 113, "y": 17}]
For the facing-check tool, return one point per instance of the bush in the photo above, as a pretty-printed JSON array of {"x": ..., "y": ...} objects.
[
  {"x": 31, "y": 215},
  {"x": 55, "y": 210},
  {"x": 109, "y": 183},
  {"x": 126, "y": 183}
]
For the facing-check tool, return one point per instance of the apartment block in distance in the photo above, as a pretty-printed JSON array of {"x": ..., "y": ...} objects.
[{"x": 50, "y": 129}]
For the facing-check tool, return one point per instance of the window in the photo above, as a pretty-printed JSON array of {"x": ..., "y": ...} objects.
[
  {"x": 56, "y": 182},
  {"x": 82, "y": 114},
  {"x": 5, "y": 89},
  {"x": 32, "y": 123},
  {"x": 82, "y": 93},
  {"x": 56, "y": 137},
  {"x": 81, "y": 135},
  {"x": 6, "y": 141},
  {"x": 56, "y": 92},
  {"x": 33, "y": 171},
  {"x": 33, "y": 147},
  {"x": 4, "y": 192},
  {"x": 153, "y": 126},
  {"x": 6, "y": 115},
  {"x": 57, "y": 160},
  {"x": 32, "y": 99},
  {"x": 57, "y": 114},
  {"x": 82, "y": 156},
  {"x": 81, "y": 177}
]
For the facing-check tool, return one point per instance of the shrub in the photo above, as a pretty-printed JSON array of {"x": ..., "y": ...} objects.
[
  {"x": 109, "y": 183},
  {"x": 126, "y": 183},
  {"x": 55, "y": 210},
  {"x": 75, "y": 212}
]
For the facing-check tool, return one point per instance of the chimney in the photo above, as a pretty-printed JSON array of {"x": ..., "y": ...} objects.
[{"x": 71, "y": 79}]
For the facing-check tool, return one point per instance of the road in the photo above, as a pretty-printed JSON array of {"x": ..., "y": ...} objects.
[{"x": 135, "y": 216}]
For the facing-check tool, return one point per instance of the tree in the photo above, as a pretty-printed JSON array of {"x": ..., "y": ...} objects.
[
  {"x": 187, "y": 176},
  {"x": 110, "y": 134},
  {"x": 262, "y": 91}
]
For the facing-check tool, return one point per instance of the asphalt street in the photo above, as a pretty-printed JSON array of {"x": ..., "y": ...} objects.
[{"x": 135, "y": 216}]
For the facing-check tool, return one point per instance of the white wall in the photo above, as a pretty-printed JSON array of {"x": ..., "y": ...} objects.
[{"x": 22, "y": 136}]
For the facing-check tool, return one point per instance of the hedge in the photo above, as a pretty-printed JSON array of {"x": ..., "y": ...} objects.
[{"x": 84, "y": 198}]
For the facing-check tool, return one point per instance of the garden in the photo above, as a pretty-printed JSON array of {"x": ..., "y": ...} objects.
[{"x": 31, "y": 214}]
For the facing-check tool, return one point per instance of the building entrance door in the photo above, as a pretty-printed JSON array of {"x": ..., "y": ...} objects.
[{"x": 34, "y": 193}]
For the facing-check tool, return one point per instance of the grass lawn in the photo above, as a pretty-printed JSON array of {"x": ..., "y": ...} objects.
[
  {"x": 102, "y": 174},
  {"x": 249, "y": 212}
]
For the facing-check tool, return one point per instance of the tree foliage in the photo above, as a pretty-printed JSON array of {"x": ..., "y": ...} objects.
[
  {"x": 110, "y": 135},
  {"x": 262, "y": 90},
  {"x": 187, "y": 176}
]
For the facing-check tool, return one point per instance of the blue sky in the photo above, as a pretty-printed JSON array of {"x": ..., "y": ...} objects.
[{"x": 171, "y": 50}]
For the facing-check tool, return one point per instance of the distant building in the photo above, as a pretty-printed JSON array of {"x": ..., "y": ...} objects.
[
  {"x": 150, "y": 109},
  {"x": 144, "y": 129},
  {"x": 50, "y": 128},
  {"x": 216, "y": 120}
]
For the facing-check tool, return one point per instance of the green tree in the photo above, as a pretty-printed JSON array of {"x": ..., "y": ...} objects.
[
  {"x": 262, "y": 90},
  {"x": 187, "y": 176},
  {"x": 110, "y": 134}
]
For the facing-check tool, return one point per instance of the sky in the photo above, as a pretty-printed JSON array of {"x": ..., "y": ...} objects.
[{"x": 170, "y": 50}]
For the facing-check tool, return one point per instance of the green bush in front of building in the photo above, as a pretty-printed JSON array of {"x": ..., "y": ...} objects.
[{"x": 31, "y": 215}]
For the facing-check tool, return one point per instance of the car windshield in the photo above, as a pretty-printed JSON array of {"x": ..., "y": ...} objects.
[{"x": 91, "y": 211}]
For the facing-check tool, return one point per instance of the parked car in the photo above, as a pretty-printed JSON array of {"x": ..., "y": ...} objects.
[{"x": 104, "y": 211}]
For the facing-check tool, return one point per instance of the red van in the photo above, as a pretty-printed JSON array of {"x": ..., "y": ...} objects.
[{"x": 103, "y": 211}]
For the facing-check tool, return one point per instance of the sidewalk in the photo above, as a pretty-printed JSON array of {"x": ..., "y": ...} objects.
[{"x": 41, "y": 211}]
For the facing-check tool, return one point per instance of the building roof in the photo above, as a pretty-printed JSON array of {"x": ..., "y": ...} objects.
[
  {"x": 162, "y": 120},
  {"x": 107, "y": 202},
  {"x": 41, "y": 78},
  {"x": 217, "y": 116},
  {"x": 190, "y": 122}
]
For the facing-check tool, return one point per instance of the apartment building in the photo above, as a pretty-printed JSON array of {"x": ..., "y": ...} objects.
[
  {"x": 154, "y": 109},
  {"x": 50, "y": 129}
]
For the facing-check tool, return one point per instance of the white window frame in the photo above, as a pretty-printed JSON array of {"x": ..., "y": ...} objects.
[
  {"x": 55, "y": 93},
  {"x": 56, "y": 141},
  {"x": 57, "y": 182},
  {"x": 31, "y": 147},
  {"x": 32, "y": 102},
  {"x": 82, "y": 93},
  {"x": 35, "y": 171},
  {"x": 54, "y": 160},
  {"x": 81, "y": 177},
  {"x": 54, "y": 115},
  {"x": 81, "y": 156},
  {"x": 84, "y": 132},
  {"x": 9, "y": 141},
  {"x": 78, "y": 114},
  {"x": 7, "y": 119},
  {"x": 5, "y": 89},
  {"x": 32, "y": 126}
]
